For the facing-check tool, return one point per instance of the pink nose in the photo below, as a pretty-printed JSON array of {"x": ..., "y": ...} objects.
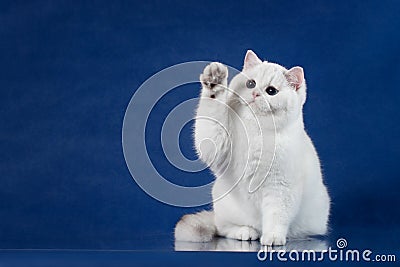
[{"x": 255, "y": 94}]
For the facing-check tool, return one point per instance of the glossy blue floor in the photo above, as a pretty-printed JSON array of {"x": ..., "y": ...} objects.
[{"x": 161, "y": 249}]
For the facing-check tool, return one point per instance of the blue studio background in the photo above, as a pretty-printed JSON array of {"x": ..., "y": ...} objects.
[{"x": 68, "y": 70}]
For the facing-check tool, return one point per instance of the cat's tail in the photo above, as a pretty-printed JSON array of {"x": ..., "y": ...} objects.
[{"x": 198, "y": 227}]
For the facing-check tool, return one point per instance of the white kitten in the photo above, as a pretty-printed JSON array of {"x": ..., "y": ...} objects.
[{"x": 268, "y": 177}]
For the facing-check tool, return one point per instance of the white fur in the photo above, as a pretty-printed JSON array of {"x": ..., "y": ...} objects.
[{"x": 268, "y": 178}]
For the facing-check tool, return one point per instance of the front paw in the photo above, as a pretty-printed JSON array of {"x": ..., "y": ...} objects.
[
  {"x": 246, "y": 233},
  {"x": 214, "y": 74},
  {"x": 273, "y": 239},
  {"x": 243, "y": 233}
]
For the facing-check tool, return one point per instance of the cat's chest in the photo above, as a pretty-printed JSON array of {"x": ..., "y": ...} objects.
[
  {"x": 252, "y": 138},
  {"x": 260, "y": 153}
]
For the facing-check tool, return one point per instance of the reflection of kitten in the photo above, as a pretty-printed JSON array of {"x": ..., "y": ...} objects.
[{"x": 268, "y": 178}]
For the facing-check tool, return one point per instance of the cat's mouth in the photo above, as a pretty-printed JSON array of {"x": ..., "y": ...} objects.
[
  {"x": 251, "y": 103},
  {"x": 266, "y": 108},
  {"x": 245, "y": 101}
]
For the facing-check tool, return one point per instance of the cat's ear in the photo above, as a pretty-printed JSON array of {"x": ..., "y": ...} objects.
[
  {"x": 251, "y": 60},
  {"x": 295, "y": 77}
]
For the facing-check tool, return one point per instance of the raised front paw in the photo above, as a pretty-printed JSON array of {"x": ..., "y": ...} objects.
[
  {"x": 273, "y": 239},
  {"x": 214, "y": 74}
]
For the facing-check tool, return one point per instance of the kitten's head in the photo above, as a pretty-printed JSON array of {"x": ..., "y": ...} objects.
[{"x": 268, "y": 88}]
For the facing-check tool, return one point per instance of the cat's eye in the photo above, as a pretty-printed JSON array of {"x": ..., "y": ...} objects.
[
  {"x": 250, "y": 84},
  {"x": 271, "y": 90}
]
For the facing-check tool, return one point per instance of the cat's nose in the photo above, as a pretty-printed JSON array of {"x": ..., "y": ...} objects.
[{"x": 255, "y": 94}]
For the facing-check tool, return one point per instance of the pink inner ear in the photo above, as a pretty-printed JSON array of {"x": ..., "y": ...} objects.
[
  {"x": 295, "y": 77},
  {"x": 251, "y": 60}
]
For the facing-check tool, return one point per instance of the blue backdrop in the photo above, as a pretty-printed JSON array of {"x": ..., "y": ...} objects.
[{"x": 68, "y": 70}]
